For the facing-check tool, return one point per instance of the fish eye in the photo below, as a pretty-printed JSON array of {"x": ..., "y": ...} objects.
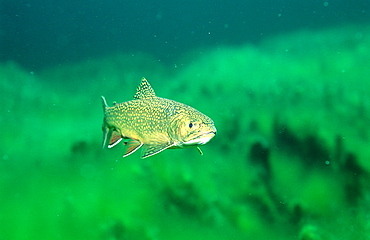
[{"x": 190, "y": 125}]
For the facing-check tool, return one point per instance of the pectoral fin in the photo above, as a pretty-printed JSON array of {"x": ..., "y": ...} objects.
[
  {"x": 151, "y": 149},
  {"x": 200, "y": 151}
]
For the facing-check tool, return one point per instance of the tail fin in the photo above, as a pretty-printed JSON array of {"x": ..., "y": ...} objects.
[
  {"x": 104, "y": 127},
  {"x": 104, "y": 102}
]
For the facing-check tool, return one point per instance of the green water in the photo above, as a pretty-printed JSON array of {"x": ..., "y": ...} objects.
[{"x": 290, "y": 159}]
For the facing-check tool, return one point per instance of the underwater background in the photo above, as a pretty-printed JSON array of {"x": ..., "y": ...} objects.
[{"x": 286, "y": 82}]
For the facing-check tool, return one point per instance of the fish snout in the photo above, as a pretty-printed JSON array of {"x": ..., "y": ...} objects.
[
  {"x": 207, "y": 137},
  {"x": 214, "y": 130}
]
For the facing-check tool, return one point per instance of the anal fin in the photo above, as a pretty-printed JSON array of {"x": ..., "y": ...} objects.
[{"x": 115, "y": 138}]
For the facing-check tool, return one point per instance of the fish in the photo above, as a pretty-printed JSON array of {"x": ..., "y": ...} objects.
[{"x": 154, "y": 124}]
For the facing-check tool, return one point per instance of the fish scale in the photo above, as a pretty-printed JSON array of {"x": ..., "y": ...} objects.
[{"x": 155, "y": 123}]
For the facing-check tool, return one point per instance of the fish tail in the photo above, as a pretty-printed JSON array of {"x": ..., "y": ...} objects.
[
  {"x": 104, "y": 127},
  {"x": 105, "y": 105}
]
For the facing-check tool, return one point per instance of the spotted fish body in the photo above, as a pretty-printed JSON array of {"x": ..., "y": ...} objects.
[{"x": 154, "y": 123}]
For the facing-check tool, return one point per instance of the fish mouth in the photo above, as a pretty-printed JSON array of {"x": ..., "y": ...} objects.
[{"x": 201, "y": 139}]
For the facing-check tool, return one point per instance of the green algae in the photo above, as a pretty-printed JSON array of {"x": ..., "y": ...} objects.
[{"x": 290, "y": 160}]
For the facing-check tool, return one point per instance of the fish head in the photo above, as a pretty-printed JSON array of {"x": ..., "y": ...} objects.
[{"x": 194, "y": 130}]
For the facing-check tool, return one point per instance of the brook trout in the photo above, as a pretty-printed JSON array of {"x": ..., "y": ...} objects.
[{"x": 154, "y": 123}]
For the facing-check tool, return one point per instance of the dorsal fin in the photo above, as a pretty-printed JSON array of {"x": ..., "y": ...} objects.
[{"x": 144, "y": 90}]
